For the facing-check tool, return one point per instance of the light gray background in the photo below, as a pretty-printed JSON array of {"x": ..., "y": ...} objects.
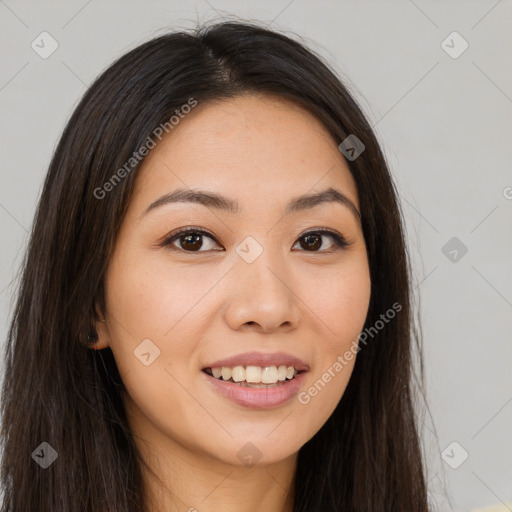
[{"x": 445, "y": 125}]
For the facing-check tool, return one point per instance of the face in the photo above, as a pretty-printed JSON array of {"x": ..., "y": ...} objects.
[{"x": 270, "y": 283}]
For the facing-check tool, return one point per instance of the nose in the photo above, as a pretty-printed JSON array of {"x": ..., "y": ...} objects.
[{"x": 262, "y": 297}]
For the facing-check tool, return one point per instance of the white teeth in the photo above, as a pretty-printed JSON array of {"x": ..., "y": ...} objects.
[
  {"x": 255, "y": 374},
  {"x": 269, "y": 375},
  {"x": 238, "y": 373}
]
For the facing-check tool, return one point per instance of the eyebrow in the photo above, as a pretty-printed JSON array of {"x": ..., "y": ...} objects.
[{"x": 222, "y": 203}]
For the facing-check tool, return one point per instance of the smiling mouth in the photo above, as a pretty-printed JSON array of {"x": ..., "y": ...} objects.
[{"x": 254, "y": 376}]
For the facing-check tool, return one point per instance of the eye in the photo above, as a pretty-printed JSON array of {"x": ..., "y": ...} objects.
[
  {"x": 313, "y": 241},
  {"x": 190, "y": 240}
]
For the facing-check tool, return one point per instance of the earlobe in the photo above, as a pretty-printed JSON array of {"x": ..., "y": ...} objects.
[{"x": 101, "y": 335}]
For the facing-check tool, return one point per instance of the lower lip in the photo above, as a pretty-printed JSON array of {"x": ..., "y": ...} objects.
[{"x": 257, "y": 398}]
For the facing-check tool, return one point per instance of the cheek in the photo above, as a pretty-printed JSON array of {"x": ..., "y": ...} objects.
[
  {"x": 340, "y": 300},
  {"x": 144, "y": 307},
  {"x": 149, "y": 296},
  {"x": 341, "y": 303},
  {"x": 148, "y": 307}
]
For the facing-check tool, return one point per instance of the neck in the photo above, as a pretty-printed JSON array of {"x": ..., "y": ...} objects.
[{"x": 192, "y": 482}]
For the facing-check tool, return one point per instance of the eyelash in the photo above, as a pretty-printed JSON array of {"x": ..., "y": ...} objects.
[{"x": 339, "y": 241}]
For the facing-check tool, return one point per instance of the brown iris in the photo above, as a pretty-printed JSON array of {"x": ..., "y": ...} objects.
[
  {"x": 191, "y": 242},
  {"x": 312, "y": 242}
]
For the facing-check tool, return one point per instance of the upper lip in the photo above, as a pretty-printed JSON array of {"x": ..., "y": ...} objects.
[{"x": 260, "y": 359}]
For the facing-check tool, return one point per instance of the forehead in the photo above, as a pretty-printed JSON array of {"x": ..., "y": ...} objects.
[{"x": 253, "y": 148}]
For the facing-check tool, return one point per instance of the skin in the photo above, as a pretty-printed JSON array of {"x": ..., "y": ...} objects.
[{"x": 201, "y": 306}]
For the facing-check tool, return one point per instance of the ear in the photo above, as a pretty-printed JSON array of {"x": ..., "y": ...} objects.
[{"x": 101, "y": 327}]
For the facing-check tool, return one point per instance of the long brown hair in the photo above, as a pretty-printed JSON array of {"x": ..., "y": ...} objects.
[{"x": 366, "y": 457}]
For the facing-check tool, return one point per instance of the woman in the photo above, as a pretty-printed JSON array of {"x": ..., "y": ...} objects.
[{"x": 215, "y": 305}]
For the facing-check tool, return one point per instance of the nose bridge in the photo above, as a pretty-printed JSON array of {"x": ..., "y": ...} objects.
[
  {"x": 260, "y": 266},
  {"x": 263, "y": 292}
]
